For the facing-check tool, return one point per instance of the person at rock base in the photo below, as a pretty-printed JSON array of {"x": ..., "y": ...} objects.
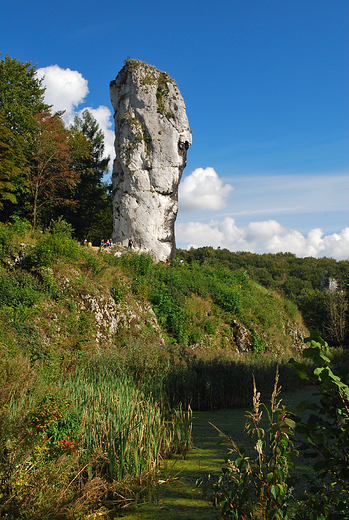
[{"x": 130, "y": 243}]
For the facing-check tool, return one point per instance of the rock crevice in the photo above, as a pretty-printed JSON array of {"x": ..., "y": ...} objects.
[{"x": 152, "y": 137}]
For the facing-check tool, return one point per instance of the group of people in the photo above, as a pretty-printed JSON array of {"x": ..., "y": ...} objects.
[{"x": 106, "y": 243}]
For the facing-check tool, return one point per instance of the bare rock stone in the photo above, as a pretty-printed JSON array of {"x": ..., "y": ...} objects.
[
  {"x": 152, "y": 137},
  {"x": 242, "y": 337}
]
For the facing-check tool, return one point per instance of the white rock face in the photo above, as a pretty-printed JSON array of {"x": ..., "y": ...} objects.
[{"x": 152, "y": 137}]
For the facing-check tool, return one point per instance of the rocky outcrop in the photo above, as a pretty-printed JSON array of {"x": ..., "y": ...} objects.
[
  {"x": 102, "y": 319},
  {"x": 152, "y": 137}
]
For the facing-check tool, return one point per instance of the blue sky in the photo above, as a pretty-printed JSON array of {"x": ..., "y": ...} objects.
[{"x": 266, "y": 88}]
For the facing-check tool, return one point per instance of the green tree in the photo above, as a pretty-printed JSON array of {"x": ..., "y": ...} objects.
[
  {"x": 9, "y": 169},
  {"x": 93, "y": 217},
  {"x": 21, "y": 97}
]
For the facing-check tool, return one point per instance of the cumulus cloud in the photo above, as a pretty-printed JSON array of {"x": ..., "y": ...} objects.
[
  {"x": 203, "y": 189},
  {"x": 65, "y": 90},
  {"x": 260, "y": 237}
]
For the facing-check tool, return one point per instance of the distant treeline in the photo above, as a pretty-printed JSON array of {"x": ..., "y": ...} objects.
[{"x": 318, "y": 286}]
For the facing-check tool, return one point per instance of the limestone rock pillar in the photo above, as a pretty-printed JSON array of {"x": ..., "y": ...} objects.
[{"x": 152, "y": 137}]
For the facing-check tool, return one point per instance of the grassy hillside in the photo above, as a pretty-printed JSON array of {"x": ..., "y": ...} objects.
[
  {"x": 99, "y": 356},
  {"x": 304, "y": 281},
  {"x": 62, "y": 304}
]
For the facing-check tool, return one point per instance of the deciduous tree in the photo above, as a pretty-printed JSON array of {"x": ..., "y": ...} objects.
[
  {"x": 9, "y": 169},
  {"x": 21, "y": 97},
  {"x": 51, "y": 178}
]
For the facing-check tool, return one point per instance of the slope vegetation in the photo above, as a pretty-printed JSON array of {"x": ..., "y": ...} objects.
[{"x": 100, "y": 355}]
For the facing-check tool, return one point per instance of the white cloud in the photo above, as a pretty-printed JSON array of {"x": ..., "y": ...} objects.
[
  {"x": 337, "y": 245},
  {"x": 203, "y": 189},
  {"x": 261, "y": 237},
  {"x": 65, "y": 90}
]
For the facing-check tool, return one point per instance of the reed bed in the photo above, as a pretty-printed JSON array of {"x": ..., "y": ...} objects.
[
  {"x": 124, "y": 431},
  {"x": 217, "y": 383},
  {"x": 89, "y": 439}
]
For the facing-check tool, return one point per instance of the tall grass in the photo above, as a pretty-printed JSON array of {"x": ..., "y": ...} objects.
[
  {"x": 89, "y": 437},
  {"x": 209, "y": 384},
  {"x": 125, "y": 431}
]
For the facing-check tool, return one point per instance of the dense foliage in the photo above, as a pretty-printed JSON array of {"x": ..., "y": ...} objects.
[
  {"x": 94, "y": 386},
  {"x": 265, "y": 485},
  {"x": 318, "y": 286},
  {"x": 47, "y": 170}
]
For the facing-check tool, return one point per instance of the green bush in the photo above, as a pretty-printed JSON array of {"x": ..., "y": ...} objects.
[
  {"x": 55, "y": 426},
  {"x": 11, "y": 234},
  {"x": 227, "y": 298},
  {"x": 61, "y": 227},
  {"x": 257, "y": 343},
  {"x": 94, "y": 262},
  {"x": 137, "y": 264},
  {"x": 263, "y": 486},
  {"x": 50, "y": 247},
  {"x": 117, "y": 291},
  {"x": 326, "y": 433},
  {"x": 18, "y": 287}
]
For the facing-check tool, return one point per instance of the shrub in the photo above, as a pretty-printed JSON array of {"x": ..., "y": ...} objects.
[
  {"x": 61, "y": 227},
  {"x": 11, "y": 234},
  {"x": 257, "y": 343},
  {"x": 228, "y": 298},
  {"x": 259, "y": 486},
  {"x": 50, "y": 247},
  {"x": 55, "y": 425},
  {"x": 19, "y": 288},
  {"x": 94, "y": 262},
  {"x": 326, "y": 432},
  {"x": 117, "y": 291}
]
